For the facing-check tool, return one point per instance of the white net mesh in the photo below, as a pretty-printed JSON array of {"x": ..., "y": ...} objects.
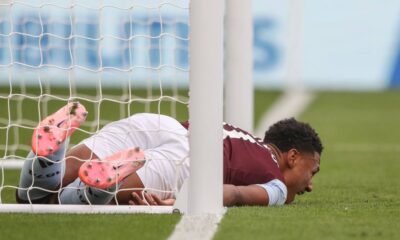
[{"x": 115, "y": 57}]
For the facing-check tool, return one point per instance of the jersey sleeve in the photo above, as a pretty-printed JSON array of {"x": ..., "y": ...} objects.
[{"x": 277, "y": 192}]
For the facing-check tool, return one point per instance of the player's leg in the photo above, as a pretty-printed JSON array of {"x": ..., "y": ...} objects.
[
  {"x": 75, "y": 191},
  {"x": 43, "y": 174},
  {"x": 133, "y": 183},
  {"x": 78, "y": 192},
  {"x": 138, "y": 130},
  {"x": 100, "y": 179},
  {"x": 148, "y": 178},
  {"x": 162, "y": 175},
  {"x": 44, "y": 169},
  {"x": 75, "y": 157}
]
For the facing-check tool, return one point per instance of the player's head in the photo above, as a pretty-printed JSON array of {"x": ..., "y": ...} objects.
[
  {"x": 301, "y": 149},
  {"x": 290, "y": 133}
]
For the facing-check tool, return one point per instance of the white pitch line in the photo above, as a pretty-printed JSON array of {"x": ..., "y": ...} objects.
[
  {"x": 200, "y": 227},
  {"x": 290, "y": 104}
]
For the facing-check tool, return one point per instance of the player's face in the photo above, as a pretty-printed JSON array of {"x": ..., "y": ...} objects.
[{"x": 299, "y": 178}]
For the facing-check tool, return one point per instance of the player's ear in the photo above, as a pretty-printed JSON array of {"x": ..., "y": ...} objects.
[{"x": 292, "y": 157}]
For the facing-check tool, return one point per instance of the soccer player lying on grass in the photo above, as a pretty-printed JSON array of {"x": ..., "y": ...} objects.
[{"x": 150, "y": 152}]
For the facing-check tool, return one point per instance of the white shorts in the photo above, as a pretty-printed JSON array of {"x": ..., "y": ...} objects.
[{"x": 164, "y": 142}]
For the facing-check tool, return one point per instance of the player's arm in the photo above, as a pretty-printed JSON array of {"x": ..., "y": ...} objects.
[
  {"x": 244, "y": 195},
  {"x": 149, "y": 199},
  {"x": 268, "y": 194}
]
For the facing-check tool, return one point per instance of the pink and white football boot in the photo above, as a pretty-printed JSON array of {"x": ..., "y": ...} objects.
[
  {"x": 113, "y": 169},
  {"x": 52, "y": 131}
]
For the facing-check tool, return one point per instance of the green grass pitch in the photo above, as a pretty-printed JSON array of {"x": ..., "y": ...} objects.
[{"x": 356, "y": 194}]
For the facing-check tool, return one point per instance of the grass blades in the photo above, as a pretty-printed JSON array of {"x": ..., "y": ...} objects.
[
  {"x": 356, "y": 193},
  {"x": 74, "y": 226}
]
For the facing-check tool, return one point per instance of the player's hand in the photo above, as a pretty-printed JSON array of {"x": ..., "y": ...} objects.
[{"x": 149, "y": 199}]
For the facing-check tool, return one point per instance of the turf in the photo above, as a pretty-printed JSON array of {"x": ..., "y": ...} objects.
[
  {"x": 70, "y": 226},
  {"x": 356, "y": 192},
  {"x": 355, "y": 195}
]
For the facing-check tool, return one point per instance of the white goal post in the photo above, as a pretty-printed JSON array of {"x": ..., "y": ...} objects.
[
  {"x": 238, "y": 59},
  {"x": 27, "y": 52},
  {"x": 206, "y": 114}
]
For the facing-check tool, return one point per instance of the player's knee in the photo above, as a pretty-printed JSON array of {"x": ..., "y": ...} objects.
[{"x": 74, "y": 159}]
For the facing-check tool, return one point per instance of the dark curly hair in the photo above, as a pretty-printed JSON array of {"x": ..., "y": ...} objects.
[{"x": 290, "y": 133}]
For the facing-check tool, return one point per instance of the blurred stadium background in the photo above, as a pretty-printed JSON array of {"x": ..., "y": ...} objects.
[{"x": 348, "y": 56}]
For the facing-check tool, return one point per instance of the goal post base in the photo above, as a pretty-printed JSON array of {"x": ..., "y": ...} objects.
[{"x": 181, "y": 203}]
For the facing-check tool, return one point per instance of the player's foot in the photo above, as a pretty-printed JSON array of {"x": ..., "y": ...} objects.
[
  {"x": 52, "y": 131},
  {"x": 106, "y": 173}
]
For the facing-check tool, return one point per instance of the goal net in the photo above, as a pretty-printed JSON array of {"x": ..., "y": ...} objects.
[{"x": 117, "y": 58}]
